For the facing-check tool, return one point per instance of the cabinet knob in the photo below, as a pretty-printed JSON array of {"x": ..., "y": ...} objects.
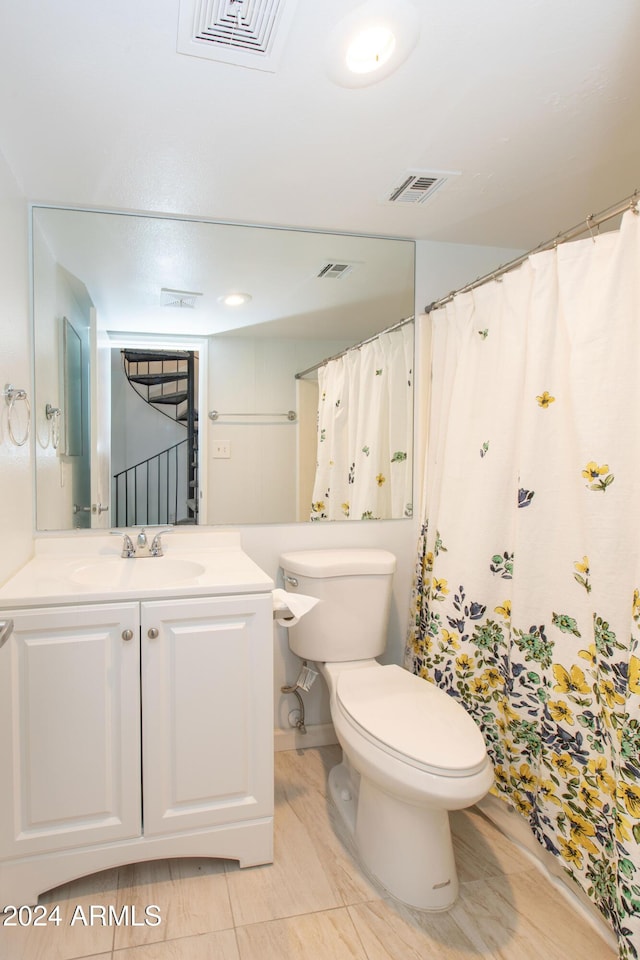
[
  {"x": 152, "y": 633},
  {"x": 127, "y": 634}
]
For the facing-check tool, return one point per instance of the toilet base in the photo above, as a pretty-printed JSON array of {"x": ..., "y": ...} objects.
[{"x": 405, "y": 847}]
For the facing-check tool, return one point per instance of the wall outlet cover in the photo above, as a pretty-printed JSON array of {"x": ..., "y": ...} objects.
[{"x": 221, "y": 450}]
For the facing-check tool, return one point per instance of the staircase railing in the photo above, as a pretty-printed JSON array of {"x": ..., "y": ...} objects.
[
  {"x": 166, "y": 380},
  {"x": 155, "y": 490}
]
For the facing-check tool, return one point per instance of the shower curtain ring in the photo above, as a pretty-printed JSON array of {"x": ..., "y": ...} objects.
[{"x": 588, "y": 222}]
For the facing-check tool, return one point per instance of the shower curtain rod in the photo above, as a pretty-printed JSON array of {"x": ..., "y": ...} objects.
[
  {"x": 593, "y": 220},
  {"x": 356, "y": 346}
]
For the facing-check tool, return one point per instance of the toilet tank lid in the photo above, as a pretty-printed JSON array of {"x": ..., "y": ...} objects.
[{"x": 338, "y": 562}]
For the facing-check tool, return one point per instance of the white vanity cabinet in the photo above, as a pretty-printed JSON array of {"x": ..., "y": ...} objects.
[
  {"x": 70, "y": 716},
  {"x": 207, "y": 730},
  {"x": 134, "y": 731}
]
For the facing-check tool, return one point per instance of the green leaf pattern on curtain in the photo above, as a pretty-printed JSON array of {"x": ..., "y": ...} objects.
[{"x": 530, "y": 615}]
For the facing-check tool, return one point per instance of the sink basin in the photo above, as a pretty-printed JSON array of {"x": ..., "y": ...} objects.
[{"x": 131, "y": 574}]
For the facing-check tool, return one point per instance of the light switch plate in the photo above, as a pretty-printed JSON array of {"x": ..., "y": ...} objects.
[{"x": 221, "y": 450}]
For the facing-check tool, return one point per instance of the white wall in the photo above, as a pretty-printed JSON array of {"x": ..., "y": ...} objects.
[
  {"x": 256, "y": 376},
  {"x": 444, "y": 267},
  {"x": 15, "y": 367}
]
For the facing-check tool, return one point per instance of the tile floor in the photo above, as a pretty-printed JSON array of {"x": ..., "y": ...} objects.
[{"x": 313, "y": 902}]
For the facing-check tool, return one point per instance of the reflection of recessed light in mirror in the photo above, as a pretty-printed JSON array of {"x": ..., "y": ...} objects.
[
  {"x": 370, "y": 49},
  {"x": 235, "y": 299}
]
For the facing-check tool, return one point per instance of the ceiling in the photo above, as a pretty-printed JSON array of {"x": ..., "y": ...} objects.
[
  {"x": 533, "y": 103},
  {"x": 125, "y": 261}
]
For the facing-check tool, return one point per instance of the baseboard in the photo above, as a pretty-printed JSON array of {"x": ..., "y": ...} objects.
[
  {"x": 317, "y": 735},
  {"x": 515, "y": 828}
]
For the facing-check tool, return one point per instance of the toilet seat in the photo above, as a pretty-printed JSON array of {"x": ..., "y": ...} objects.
[{"x": 412, "y": 720}]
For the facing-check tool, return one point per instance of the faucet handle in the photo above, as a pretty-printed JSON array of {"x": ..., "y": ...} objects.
[
  {"x": 128, "y": 549},
  {"x": 156, "y": 543}
]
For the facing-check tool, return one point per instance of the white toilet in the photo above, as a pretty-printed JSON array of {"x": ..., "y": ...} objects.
[{"x": 411, "y": 752}]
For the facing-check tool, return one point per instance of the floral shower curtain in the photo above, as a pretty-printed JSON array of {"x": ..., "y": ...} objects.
[
  {"x": 526, "y": 601},
  {"x": 365, "y": 425}
]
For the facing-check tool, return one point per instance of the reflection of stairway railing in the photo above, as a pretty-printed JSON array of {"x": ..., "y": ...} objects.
[
  {"x": 154, "y": 490},
  {"x": 166, "y": 380}
]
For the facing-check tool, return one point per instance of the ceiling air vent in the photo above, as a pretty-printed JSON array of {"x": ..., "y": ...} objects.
[
  {"x": 247, "y": 33},
  {"x": 419, "y": 186},
  {"x": 179, "y": 298},
  {"x": 334, "y": 271}
]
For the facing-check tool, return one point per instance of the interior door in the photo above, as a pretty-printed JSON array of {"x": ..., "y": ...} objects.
[{"x": 100, "y": 428}]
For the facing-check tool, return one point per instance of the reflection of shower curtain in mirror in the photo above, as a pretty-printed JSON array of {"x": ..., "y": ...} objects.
[
  {"x": 526, "y": 600},
  {"x": 365, "y": 419}
]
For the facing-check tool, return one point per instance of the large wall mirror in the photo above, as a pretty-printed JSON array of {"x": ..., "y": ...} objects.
[{"x": 197, "y": 352}]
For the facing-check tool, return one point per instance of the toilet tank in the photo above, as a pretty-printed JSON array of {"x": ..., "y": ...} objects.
[{"x": 354, "y": 587}]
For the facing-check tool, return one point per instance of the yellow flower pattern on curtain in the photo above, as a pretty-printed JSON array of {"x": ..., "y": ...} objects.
[{"x": 526, "y": 602}]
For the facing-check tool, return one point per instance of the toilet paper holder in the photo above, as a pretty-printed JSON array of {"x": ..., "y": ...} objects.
[{"x": 289, "y": 607}]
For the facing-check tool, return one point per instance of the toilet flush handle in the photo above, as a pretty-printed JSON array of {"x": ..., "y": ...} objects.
[{"x": 292, "y": 580}]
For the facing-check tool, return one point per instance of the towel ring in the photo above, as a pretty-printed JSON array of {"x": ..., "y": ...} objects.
[
  {"x": 53, "y": 415},
  {"x": 12, "y": 395}
]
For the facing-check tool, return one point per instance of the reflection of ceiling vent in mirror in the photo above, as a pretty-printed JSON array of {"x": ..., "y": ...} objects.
[
  {"x": 418, "y": 186},
  {"x": 335, "y": 271},
  {"x": 247, "y": 33},
  {"x": 179, "y": 298}
]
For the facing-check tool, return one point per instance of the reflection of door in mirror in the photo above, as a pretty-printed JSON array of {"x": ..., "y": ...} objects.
[
  {"x": 100, "y": 372},
  {"x": 62, "y": 378},
  {"x": 72, "y": 390},
  {"x": 75, "y": 417}
]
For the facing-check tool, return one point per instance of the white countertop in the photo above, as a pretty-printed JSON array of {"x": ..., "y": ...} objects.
[{"x": 89, "y": 569}]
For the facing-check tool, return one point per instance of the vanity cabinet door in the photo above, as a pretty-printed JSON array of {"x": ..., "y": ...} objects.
[
  {"x": 207, "y": 719},
  {"x": 70, "y": 716}
]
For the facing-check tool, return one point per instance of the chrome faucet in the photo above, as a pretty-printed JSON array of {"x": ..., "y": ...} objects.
[
  {"x": 142, "y": 547},
  {"x": 142, "y": 544},
  {"x": 153, "y": 549},
  {"x": 128, "y": 549},
  {"x": 156, "y": 543}
]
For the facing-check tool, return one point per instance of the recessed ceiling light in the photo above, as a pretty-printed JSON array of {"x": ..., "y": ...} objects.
[
  {"x": 372, "y": 41},
  {"x": 235, "y": 299},
  {"x": 370, "y": 49}
]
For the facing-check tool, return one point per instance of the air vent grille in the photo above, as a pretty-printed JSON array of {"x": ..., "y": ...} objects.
[
  {"x": 334, "y": 271},
  {"x": 243, "y": 32},
  {"x": 179, "y": 298},
  {"x": 238, "y": 23},
  {"x": 418, "y": 186}
]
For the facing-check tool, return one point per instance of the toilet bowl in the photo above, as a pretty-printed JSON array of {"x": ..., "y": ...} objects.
[{"x": 411, "y": 752}]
